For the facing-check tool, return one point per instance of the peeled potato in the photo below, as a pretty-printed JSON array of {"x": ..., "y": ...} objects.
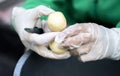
[
  {"x": 56, "y": 22},
  {"x": 56, "y": 49}
]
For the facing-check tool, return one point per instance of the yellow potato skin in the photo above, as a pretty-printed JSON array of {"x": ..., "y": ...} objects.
[
  {"x": 54, "y": 46},
  {"x": 56, "y": 22}
]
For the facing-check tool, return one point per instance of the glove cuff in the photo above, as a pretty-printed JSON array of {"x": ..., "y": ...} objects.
[
  {"x": 112, "y": 42},
  {"x": 114, "y": 39},
  {"x": 107, "y": 43}
]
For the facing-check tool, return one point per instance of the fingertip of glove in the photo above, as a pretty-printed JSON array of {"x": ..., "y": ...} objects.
[
  {"x": 84, "y": 58},
  {"x": 65, "y": 55}
]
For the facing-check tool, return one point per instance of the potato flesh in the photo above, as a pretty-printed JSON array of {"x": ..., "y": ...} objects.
[
  {"x": 56, "y": 22},
  {"x": 54, "y": 46}
]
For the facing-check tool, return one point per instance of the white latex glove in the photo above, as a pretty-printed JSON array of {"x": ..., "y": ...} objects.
[
  {"x": 22, "y": 19},
  {"x": 44, "y": 26},
  {"x": 91, "y": 41}
]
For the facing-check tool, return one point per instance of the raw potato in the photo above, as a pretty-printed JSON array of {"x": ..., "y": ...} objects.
[
  {"x": 56, "y": 23},
  {"x": 56, "y": 49}
]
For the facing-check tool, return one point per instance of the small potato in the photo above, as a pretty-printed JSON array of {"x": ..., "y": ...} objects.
[
  {"x": 54, "y": 46},
  {"x": 56, "y": 22}
]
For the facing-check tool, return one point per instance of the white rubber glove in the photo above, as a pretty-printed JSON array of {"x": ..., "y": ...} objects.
[
  {"x": 91, "y": 41},
  {"x": 22, "y": 19}
]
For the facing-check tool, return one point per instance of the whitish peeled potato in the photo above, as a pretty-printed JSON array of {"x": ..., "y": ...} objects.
[
  {"x": 56, "y": 22},
  {"x": 54, "y": 46}
]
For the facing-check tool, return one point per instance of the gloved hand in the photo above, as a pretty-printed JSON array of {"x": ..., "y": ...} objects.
[
  {"x": 91, "y": 41},
  {"x": 22, "y": 18}
]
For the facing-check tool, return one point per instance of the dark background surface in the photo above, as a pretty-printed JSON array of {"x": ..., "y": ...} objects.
[
  {"x": 39, "y": 66},
  {"x": 11, "y": 50}
]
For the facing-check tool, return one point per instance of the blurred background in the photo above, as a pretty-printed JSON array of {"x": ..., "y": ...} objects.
[{"x": 11, "y": 47}]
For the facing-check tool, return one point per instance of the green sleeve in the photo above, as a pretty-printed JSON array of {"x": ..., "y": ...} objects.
[
  {"x": 54, "y": 4},
  {"x": 77, "y": 11},
  {"x": 57, "y": 5},
  {"x": 34, "y": 3}
]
